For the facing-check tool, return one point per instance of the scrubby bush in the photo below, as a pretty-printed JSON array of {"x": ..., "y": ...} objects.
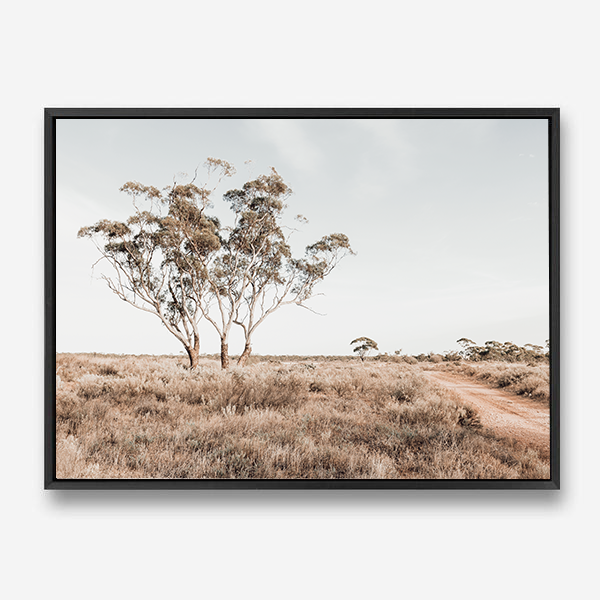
[
  {"x": 431, "y": 357},
  {"x": 411, "y": 360},
  {"x": 408, "y": 388}
]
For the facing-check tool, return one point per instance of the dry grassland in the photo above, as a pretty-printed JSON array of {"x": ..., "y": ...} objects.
[{"x": 151, "y": 417}]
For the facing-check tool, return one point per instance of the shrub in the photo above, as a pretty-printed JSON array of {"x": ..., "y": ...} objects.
[
  {"x": 316, "y": 386},
  {"x": 408, "y": 388}
]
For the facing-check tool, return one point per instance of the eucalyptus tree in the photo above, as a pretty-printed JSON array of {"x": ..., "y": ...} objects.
[
  {"x": 362, "y": 346},
  {"x": 159, "y": 255},
  {"x": 255, "y": 273}
]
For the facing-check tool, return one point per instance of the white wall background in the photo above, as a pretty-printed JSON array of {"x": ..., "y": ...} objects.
[{"x": 278, "y": 544}]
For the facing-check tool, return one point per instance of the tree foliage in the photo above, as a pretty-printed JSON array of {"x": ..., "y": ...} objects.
[{"x": 363, "y": 346}]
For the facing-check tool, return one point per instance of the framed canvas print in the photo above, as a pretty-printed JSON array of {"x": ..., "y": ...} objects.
[{"x": 302, "y": 298}]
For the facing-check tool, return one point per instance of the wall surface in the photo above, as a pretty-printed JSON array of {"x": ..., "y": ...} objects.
[{"x": 276, "y": 544}]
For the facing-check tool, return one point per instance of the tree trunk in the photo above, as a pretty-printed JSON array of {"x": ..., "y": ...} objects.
[
  {"x": 194, "y": 352},
  {"x": 245, "y": 354},
  {"x": 224, "y": 354},
  {"x": 193, "y": 355}
]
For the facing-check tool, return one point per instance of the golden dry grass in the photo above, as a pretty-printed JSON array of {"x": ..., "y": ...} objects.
[{"x": 151, "y": 417}]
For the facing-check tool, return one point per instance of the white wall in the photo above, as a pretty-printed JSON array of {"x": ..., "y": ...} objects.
[{"x": 277, "y": 544}]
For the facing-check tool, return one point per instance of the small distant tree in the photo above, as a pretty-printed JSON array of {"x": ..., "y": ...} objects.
[
  {"x": 363, "y": 346},
  {"x": 466, "y": 345}
]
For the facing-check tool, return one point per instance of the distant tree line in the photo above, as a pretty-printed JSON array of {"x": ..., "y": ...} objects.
[
  {"x": 503, "y": 351},
  {"x": 490, "y": 351}
]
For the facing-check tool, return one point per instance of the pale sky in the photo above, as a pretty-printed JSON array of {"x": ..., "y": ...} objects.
[{"x": 448, "y": 217}]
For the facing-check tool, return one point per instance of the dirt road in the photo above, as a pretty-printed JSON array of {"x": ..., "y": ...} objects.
[{"x": 507, "y": 414}]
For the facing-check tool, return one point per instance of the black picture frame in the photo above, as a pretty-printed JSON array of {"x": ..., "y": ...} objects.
[{"x": 52, "y": 115}]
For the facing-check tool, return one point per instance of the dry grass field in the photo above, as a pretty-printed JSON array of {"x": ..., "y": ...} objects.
[{"x": 152, "y": 417}]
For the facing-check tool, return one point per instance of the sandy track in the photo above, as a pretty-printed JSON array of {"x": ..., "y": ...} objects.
[{"x": 507, "y": 414}]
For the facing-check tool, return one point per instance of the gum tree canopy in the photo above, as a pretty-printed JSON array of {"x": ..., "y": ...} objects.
[
  {"x": 175, "y": 261},
  {"x": 363, "y": 345}
]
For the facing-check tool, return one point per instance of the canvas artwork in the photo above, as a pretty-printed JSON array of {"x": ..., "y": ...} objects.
[{"x": 302, "y": 298}]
